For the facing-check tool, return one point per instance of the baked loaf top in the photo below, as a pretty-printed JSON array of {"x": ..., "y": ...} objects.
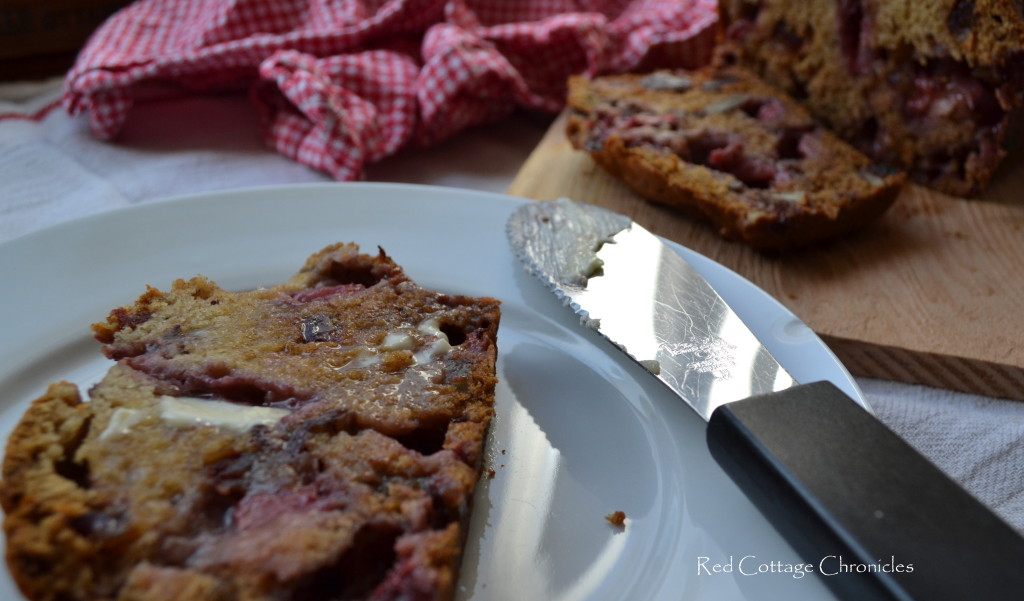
[
  {"x": 320, "y": 439},
  {"x": 724, "y": 146},
  {"x": 932, "y": 87}
]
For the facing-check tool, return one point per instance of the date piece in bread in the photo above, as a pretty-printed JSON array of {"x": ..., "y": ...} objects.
[
  {"x": 316, "y": 440},
  {"x": 723, "y": 146},
  {"x": 930, "y": 87}
]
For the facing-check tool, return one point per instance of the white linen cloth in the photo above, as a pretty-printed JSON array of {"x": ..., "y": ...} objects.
[{"x": 53, "y": 170}]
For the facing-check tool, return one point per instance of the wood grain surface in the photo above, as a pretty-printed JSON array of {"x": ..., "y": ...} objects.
[{"x": 932, "y": 294}]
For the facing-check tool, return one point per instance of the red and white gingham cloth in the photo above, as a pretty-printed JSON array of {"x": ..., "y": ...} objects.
[{"x": 341, "y": 83}]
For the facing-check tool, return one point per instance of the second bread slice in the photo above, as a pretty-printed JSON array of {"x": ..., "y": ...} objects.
[{"x": 723, "y": 146}]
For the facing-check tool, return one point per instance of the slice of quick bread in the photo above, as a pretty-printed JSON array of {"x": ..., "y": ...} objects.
[
  {"x": 723, "y": 146},
  {"x": 316, "y": 440}
]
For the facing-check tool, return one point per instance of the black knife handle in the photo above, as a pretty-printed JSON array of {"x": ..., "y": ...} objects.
[{"x": 836, "y": 482}]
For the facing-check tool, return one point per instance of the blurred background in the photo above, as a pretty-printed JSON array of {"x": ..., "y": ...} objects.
[{"x": 40, "y": 38}]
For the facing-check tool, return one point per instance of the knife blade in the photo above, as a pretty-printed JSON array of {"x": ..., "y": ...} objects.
[{"x": 834, "y": 481}]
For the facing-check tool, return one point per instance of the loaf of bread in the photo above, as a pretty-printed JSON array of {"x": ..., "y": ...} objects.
[
  {"x": 723, "y": 146},
  {"x": 930, "y": 87},
  {"x": 316, "y": 440}
]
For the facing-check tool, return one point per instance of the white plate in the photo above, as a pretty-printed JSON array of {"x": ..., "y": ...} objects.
[{"x": 581, "y": 431}]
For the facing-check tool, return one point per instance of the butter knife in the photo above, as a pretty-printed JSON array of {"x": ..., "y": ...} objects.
[{"x": 831, "y": 478}]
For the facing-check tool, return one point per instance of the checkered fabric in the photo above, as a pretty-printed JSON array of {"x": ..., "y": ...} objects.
[{"x": 341, "y": 83}]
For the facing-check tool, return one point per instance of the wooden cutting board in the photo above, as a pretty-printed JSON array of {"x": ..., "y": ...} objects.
[{"x": 932, "y": 294}]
